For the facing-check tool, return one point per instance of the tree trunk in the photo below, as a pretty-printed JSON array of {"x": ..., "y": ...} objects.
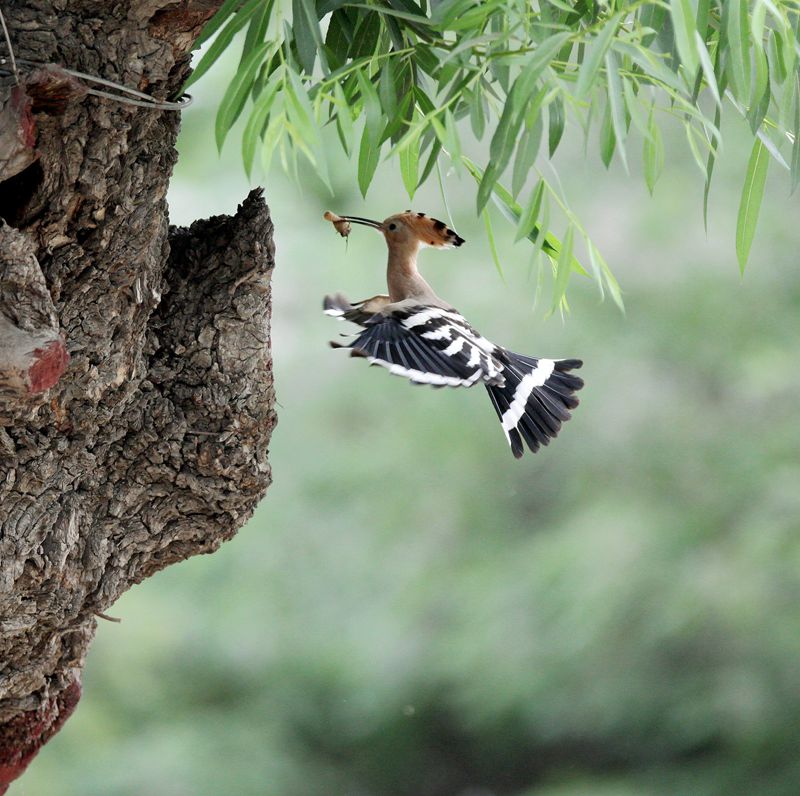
[{"x": 136, "y": 399}]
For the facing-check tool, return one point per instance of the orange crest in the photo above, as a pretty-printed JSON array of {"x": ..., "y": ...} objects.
[{"x": 430, "y": 231}]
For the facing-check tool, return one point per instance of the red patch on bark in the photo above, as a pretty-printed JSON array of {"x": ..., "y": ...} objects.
[
  {"x": 21, "y": 104},
  {"x": 51, "y": 89},
  {"x": 49, "y": 363},
  {"x": 23, "y": 736}
]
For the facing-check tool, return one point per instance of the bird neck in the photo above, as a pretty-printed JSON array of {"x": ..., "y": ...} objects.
[{"x": 403, "y": 278}]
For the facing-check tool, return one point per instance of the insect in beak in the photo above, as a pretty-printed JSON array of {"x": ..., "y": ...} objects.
[{"x": 342, "y": 223}]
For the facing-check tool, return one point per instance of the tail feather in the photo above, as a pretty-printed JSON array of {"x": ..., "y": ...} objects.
[
  {"x": 533, "y": 433},
  {"x": 500, "y": 403},
  {"x": 562, "y": 394},
  {"x": 551, "y": 404},
  {"x": 535, "y": 400}
]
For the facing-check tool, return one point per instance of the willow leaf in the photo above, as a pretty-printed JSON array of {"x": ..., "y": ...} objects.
[
  {"x": 683, "y": 23},
  {"x": 750, "y": 203},
  {"x": 738, "y": 32},
  {"x": 652, "y": 153},
  {"x": 563, "y": 270},
  {"x": 221, "y": 43},
  {"x": 492, "y": 243},
  {"x": 237, "y": 93},
  {"x": 594, "y": 55}
]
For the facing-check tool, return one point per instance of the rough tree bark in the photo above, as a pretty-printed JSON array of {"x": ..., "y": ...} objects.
[{"x": 136, "y": 399}]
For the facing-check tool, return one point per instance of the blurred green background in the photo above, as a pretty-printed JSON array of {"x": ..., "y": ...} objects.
[{"x": 412, "y": 611}]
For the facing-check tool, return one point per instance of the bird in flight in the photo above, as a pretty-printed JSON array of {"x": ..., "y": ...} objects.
[{"x": 413, "y": 333}]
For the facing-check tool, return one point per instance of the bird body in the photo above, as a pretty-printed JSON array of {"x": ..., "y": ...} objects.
[{"x": 413, "y": 333}]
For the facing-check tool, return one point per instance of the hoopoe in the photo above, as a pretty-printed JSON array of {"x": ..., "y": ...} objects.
[{"x": 415, "y": 334}]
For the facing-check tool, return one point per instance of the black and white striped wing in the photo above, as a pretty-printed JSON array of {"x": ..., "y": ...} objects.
[{"x": 428, "y": 345}]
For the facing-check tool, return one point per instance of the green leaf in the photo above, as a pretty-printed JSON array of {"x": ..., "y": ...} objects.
[
  {"x": 606, "y": 278},
  {"x": 366, "y": 36},
  {"x": 528, "y": 219},
  {"x": 513, "y": 212},
  {"x": 563, "y": 270},
  {"x": 344, "y": 119},
  {"x": 409, "y": 167},
  {"x": 370, "y": 148},
  {"x": 537, "y": 237},
  {"x": 339, "y": 36},
  {"x": 757, "y": 19},
  {"x": 492, "y": 243},
  {"x": 237, "y": 92},
  {"x": 447, "y": 10},
  {"x": 789, "y": 52},
  {"x": 477, "y": 115},
  {"x": 299, "y": 110},
  {"x": 307, "y": 35},
  {"x": 776, "y": 58},
  {"x": 418, "y": 19},
  {"x": 325, "y": 7},
  {"x": 683, "y": 24},
  {"x": 452, "y": 142},
  {"x": 695, "y": 141},
  {"x": 505, "y": 135},
  {"x": 651, "y": 65},
  {"x": 368, "y": 158},
  {"x": 712, "y": 158},
  {"x": 272, "y": 135},
  {"x": 488, "y": 183},
  {"x": 536, "y": 63},
  {"x": 431, "y": 162},
  {"x": 738, "y": 32},
  {"x": 703, "y": 9},
  {"x": 216, "y": 22},
  {"x": 372, "y": 105},
  {"x": 750, "y": 203},
  {"x": 257, "y": 29},
  {"x": 387, "y": 87},
  {"x": 708, "y": 69},
  {"x": 607, "y": 137},
  {"x": 220, "y": 44},
  {"x": 595, "y": 52},
  {"x": 426, "y": 59},
  {"x": 634, "y": 107},
  {"x": 527, "y": 150},
  {"x": 759, "y": 101},
  {"x": 255, "y": 126},
  {"x": 652, "y": 153},
  {"x": 616, "y": 106},
  {"x": 556, "y": 121},
  {"x": 398, "y": 125}
]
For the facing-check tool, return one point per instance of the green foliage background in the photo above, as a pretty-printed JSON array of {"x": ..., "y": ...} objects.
[
  {"x": 427, "y": 81},
  {"x": 412, "y": 611}
]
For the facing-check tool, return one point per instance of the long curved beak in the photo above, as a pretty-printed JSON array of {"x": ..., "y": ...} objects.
[{"x": 367, "y": 222}]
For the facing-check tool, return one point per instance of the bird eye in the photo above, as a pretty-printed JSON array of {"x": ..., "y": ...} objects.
[{"x": 392, "y": 227}]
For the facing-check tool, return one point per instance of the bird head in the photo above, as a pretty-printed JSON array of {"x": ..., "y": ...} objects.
[{"x": 407, "y": 230}]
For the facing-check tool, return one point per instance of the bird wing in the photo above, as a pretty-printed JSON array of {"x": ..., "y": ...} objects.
[
  {"x": 428, "y": 345},
  {"x": 360, "y": 312}
]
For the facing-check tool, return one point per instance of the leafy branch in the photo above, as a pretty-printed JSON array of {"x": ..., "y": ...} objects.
[{"x": 421, "y": 82}]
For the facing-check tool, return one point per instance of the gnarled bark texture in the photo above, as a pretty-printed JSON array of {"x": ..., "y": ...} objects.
[{"x": 136, "y": 398}]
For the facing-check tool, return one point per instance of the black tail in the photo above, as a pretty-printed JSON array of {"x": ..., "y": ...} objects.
[{"x": 535, "y": 399}]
